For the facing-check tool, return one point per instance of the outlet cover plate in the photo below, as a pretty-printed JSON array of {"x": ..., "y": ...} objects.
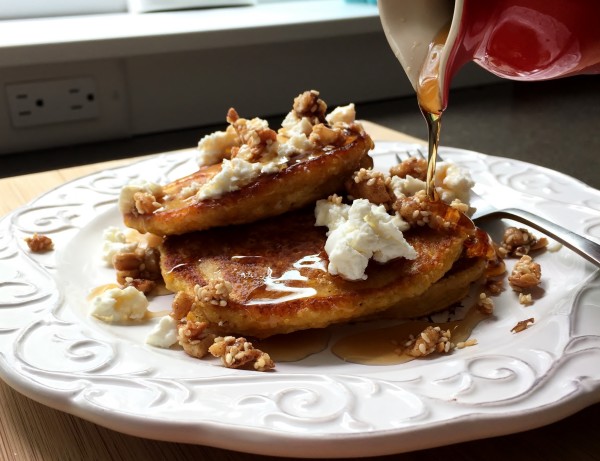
[{"x": 45, "y": 102}]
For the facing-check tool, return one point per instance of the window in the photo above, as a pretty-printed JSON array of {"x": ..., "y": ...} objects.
[{"x": 13, "y": 9}]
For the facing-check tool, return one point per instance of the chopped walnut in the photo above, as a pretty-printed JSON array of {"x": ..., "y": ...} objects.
[
  {"x": 460, "y": 206},
  {"x": 430, "y": 340},
  {"x": 322, "y": 135},
  {"x": 129, "y": 261},
  {"x": 256, "y": 138},
  {"x": 335, "y": 199},
  {"x": 495, "y": 265},
  {"x": 216, "y": 292},
  {"x": 525, "y": 299},
  {"x": 181, "y": 305},
  {"x": 145, "y": 203},
  {"x": 141, "y": 265},
  {"x": 525, "y": 274},
  {"x": 485, "y": 304},
  {"x": 519, "y": 242},
  {"x": 522, "y": 325},
  {"x": 238, "y": 352},
  {"x": 308, "y": 104},
  {"x": 467, "y": 343},
  {"x": 413, "y": 166},
  {"x": 370, "y": 185},
  {"x": 143, "y": 285},
  {"x": 419, "y": 210},
  {"x": 194, "y": 338},
  {"x": 232, "y": 116},
  {"x": 39, "y": 243},
  {"x": 494, "y": 286}
]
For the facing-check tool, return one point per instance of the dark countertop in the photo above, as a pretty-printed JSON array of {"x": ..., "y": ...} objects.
[{"x": 554, "y": 124}]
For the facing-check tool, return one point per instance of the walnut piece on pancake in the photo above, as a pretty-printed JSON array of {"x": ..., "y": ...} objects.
[
  {"x": 371, "y": 185},
  {"x": 181, "y": 305},
  {"x": 311, "y": 106},
  {"x": 140, "y": 197},
  {"x": 412, "y": 166},
  {"x": 39, "y": 243},
  {"x": 215, "y": 292}
]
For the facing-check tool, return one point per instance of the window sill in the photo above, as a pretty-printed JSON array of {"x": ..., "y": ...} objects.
[{"x": 74, "y": 38}]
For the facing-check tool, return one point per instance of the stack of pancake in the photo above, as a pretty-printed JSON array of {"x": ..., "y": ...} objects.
[{"x": 262, "y": 240}]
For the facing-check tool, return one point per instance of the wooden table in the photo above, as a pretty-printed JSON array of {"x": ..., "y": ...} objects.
[{"x": 31, "y": 431}]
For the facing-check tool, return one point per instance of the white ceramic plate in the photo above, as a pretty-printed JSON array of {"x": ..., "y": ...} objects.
[{"x": 52, "y": 350}]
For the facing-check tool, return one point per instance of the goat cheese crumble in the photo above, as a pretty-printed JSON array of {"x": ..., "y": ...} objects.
[
  {"x": 120, "y": 305},
  {"x": 234, "y": 174},
  {"x": 114, "y": 242},
  {"x": 126, "y": 199},
  {"x": 213, "y": 147},
  {"x": 342, "y": 115},
  {"x": 164, "y": 334},
  {"x": 451, "y": 182},
  {"x": 359, "y": 232}
]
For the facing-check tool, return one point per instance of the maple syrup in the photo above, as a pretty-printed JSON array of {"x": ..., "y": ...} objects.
[
  {"x": 385, "y": 346},
  {"x": 97, "y": 291},
  {"x": 292, "y": 347},
  {"x": 431, "y": 103}
]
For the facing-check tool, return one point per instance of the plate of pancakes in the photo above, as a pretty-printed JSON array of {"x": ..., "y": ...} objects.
[{"x": 338, "y": 388}]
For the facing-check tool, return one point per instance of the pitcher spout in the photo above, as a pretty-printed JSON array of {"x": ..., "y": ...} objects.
[{"x": 422, "y": 35}]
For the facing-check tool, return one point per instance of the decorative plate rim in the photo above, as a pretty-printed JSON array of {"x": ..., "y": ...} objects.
[{"x": 284, "y": 417}]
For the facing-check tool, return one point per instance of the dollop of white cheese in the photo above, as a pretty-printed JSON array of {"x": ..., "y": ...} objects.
[
  {"x": 126, "y": 200},
  {"x": 120, "y": 305},
  {"x": 189, "y": 190},
  {"x": 234, "y": 174},
  {"x": 213, "y": 147},
  {"x": 115, "y": 242},
  {"x": 164, "y": 334},
  {"x": 297, "y": 144},
  {"x": 406, "y": 187},
  {"x": 452, "y": 182},
  {"x": 342, "y": 115},
  {"x": 359, "y": 232},
  {"x": 293, "y": 125}
]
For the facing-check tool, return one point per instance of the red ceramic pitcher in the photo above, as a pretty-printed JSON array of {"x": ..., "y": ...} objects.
[{"x": 515, "y": 39}]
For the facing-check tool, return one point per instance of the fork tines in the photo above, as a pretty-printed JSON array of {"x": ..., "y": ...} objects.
[{"x": 416, "y": 152}]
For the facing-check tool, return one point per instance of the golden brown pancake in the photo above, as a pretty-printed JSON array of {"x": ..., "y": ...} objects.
[
  {"x": 277, "y": 271},
  {"x": 449, "y": 290},
  {"x": 299, "y": 184}
]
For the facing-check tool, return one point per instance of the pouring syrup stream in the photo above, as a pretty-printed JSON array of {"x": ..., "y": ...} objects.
[{"x": 431, "y": 103}]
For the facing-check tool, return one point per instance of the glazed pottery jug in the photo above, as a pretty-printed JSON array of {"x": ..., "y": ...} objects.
[{"x": 515, "y": 39}]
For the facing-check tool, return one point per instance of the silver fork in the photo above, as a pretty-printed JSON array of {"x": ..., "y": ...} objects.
[{"x": 486, "y": 212}]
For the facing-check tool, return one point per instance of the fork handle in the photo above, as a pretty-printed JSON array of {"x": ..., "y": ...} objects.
[{"x": 580, "y": 245}]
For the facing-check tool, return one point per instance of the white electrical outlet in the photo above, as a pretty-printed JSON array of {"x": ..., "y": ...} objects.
[{"x": 45, "y": 102}]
